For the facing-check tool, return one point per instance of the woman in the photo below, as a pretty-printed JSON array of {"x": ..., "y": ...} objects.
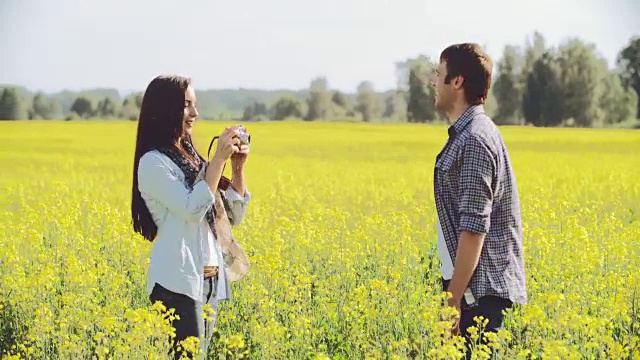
[{"x": 176, "y": 202}]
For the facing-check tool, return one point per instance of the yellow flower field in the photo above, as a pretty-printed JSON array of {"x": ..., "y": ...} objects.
[{"x": 341, "y": 235}]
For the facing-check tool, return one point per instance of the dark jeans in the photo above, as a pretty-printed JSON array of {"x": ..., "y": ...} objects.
[
  {"x": 191, "y": 322},
  {"x": 490, "y": 307}
]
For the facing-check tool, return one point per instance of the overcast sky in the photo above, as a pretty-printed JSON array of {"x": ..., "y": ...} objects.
[{"x": 77, "y": 44}]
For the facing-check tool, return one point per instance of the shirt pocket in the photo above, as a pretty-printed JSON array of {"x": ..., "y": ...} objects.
[
  {"x": 447, "y": 167},
  {"x": 447, "y": 173}
]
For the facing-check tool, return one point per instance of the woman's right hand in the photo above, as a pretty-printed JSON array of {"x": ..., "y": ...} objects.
[{"x": 228, "y": 143}]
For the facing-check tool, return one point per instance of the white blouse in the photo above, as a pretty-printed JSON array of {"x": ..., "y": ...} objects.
[{"x": 184, "y": 244}]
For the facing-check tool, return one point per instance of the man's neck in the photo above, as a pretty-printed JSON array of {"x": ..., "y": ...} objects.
[{"x": 456, "y": 111}]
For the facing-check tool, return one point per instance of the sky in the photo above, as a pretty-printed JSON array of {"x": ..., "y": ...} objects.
[{"x": 52, "y": 45}]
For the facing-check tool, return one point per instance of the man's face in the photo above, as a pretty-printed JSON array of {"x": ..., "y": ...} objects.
[{"x": 445, "y": 93}]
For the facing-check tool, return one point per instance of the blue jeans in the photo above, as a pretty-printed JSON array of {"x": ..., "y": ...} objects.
[{"x": 490, "y": 307}]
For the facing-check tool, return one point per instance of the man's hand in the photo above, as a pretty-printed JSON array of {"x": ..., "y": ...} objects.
[
  {"x": 467, "y": 257},
  {"x": 455, "y": 329}
]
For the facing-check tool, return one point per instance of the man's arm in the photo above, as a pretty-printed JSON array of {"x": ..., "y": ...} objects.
[
  {"x": 467, "y": 257},
  {"x": 476, "y": 200}
]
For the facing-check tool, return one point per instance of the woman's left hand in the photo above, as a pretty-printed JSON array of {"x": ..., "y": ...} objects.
[{"x": 239, "y": 157}]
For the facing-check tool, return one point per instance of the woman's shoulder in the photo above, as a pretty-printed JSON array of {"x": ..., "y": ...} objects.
[
  {"x": 154, "y": 157},
  {"x": 153, "y": 160}
]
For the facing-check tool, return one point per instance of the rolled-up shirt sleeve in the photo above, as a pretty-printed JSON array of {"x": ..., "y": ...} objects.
[
  {"x": 476, "y": 186},
  {"x": 237, "y": 205},
  {"x": 158, "y": 181}
]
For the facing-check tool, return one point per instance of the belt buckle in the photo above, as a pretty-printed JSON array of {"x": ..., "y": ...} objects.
[{"x": 213, "y": 273}]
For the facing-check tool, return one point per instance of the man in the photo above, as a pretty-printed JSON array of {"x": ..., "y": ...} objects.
[{"x": 479, "y": 225}]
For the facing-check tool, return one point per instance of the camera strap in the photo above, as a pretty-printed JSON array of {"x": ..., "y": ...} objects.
[{"x": 224, "y": 182}]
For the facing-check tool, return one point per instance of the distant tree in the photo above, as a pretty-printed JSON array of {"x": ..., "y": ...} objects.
[
  {"x": 617, "y": 102},
  {"x": 287, "y": 106},
  {"x": 261, "y": 108},
  {"x": 341, "y": 106},
  {"x": 533, "y": 50},
  {"x": 413, "y": 77},
  {"x": 491, "y": 105},
  {"x": 138, "y": 97},
  {"x": 629, "y": 62},
  {"x": 368, "y": 103},
  {"x": 581, "y": 78},
  {"x": 319, "y": 102},
  {"x": 508, "y": 87},
  {"x": 44, "y": 107},
  {"x": 340, "y": 99},
  {"x": 542, "y": 99},
  {"x": 107, "y": 108},
  {"x": 12, "y": 105},
  {"x": 83, "y": 106},
  {"x": 131, "y": 107},
  {"x": 421, "y": 102},
  {"x": 395, "y": 106},
  {"x": 248, "y": 113},
  {"x": 257, "y": 109}
]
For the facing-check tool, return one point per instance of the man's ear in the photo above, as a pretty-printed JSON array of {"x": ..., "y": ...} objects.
[{"x": 457, "y": 82}]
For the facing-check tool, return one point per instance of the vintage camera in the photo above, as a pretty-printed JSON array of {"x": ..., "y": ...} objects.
[{"x": 245, "y": 138}]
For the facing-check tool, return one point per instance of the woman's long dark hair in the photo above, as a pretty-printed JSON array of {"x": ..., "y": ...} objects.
[{"x": 160, "y": 125}]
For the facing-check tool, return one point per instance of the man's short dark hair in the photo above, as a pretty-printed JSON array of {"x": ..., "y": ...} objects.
[{"x": 471, "y": 62}]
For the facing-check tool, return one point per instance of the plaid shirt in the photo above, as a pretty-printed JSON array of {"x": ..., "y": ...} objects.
[{"x": 475, "y": 190}]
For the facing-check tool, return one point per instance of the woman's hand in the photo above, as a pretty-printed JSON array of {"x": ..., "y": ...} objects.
[
  {"x": 240, "y": 157},
  {"x": 228, "y": 144},
  {"x": 238, "y": 160}
]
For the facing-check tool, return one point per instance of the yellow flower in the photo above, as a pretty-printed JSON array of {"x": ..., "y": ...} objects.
[{"x": 341, "y": 235}]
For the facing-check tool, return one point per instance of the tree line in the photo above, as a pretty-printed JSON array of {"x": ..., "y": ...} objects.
[
  {"x": 570, "y": 85},
  {"x": 567, "y": 85},
  {"x": 16, "y": 104}
]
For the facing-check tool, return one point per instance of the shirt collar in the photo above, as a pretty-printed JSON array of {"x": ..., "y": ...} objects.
[{"x": 465, "y": 119}]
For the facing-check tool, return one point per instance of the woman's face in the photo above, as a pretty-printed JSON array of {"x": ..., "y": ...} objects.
[{"x": 190, "y": 111}]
